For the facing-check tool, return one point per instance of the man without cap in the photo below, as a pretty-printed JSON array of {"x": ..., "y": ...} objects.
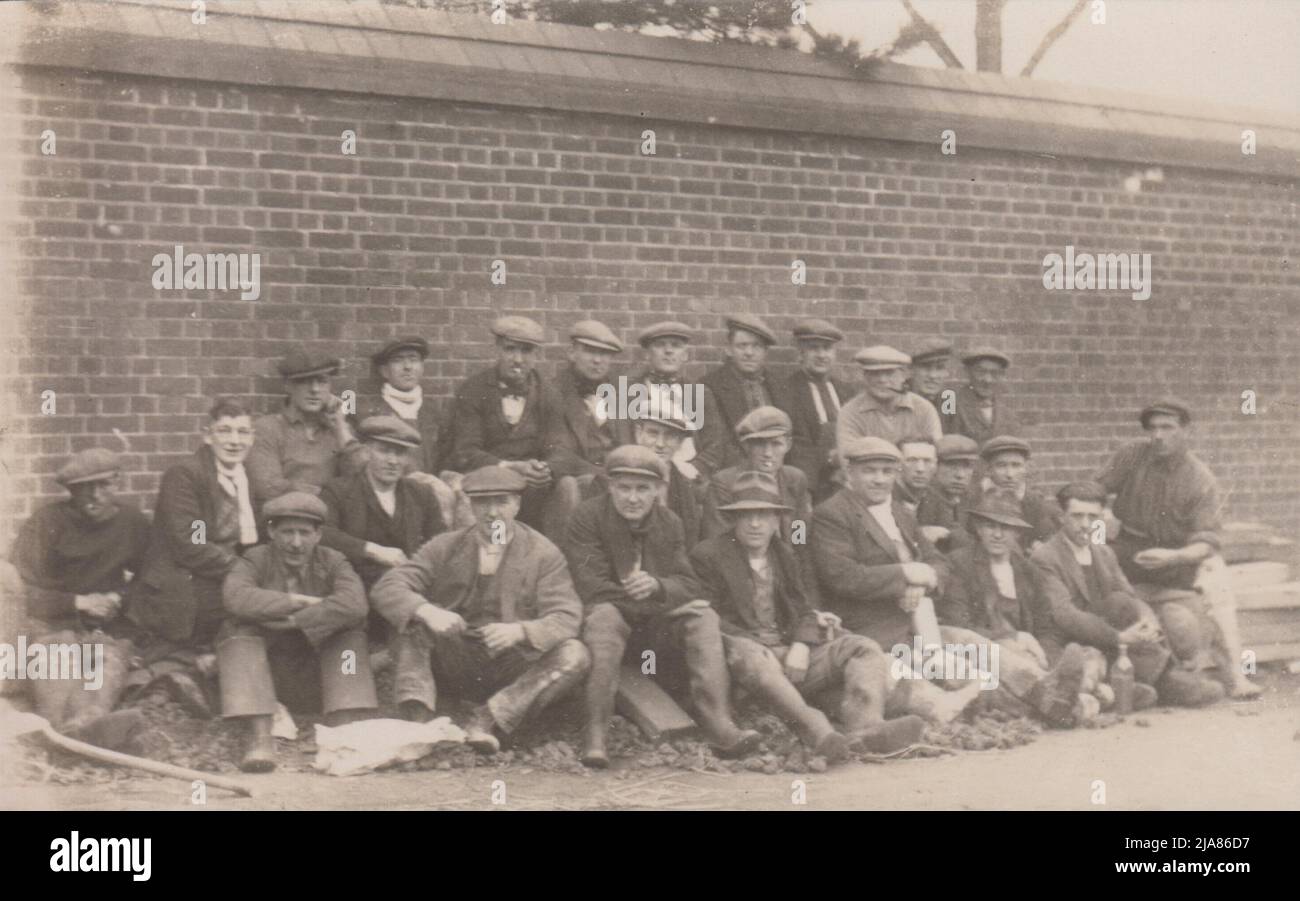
[
  {"x": 778, "y": 646},
  {"x": 204, "y": 519},
  {"x": 741, "y": 383},
  {"x": 74, "y": 559},
  {"x": 664, "y": 435},
  {"x": 1094, "y": 604},
  {"x": 812, "y": 396},
  {"x": 582, "y": 433},
  {"x": 1166, "y": 508},
  {"x": 994, "y": 594},
  {"x": 501, "y": 415},
  {"x": 764, "y": 437},
  {"x": 1006, "y": 460},
  {"x": 920, "y": 461},
  {"x": 376, "y": 518},
  {"x": 487, "y": 614},
  {"x": 942, "y": 510},
  {"x": 295, "y": 633},
  {"x": 884, "y": 409},
  {"x": 628, "y": 559},
  {"x": 930, "y": 371},
  {"x": 979, "y": 409},
  {"x": 309, "y": 441}
]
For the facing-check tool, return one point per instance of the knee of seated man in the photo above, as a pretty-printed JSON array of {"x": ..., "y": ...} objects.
[
  {"x": 749, "y": 661},
  {"x": 1182, "y": 628},
  {"x": 853, "y": 647},
  {"x": 572, "y": 656}
]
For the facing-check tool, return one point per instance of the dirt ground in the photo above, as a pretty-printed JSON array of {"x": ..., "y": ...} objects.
[{"x": 1242, "y": 755}]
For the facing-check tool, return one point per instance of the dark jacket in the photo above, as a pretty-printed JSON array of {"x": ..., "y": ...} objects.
[
  {"x": 966, "y": 420},
  {"x": 356, "y": 517},
  {"x": 936, "y": 510},
  {"x": 728, "y": 389},
  {"x": 710, "y": 440},
  {"x": 722, "y": 564},
  {"x": 811, "y": 442},
  {"x": 1074, "y": 608},
  {"x": 256, "y": 591},
  {"x": 601, "y": 550},
  {"x": 971, "y": 600},
  {"x": 481, "y": 434},
  {"x": 427, "y": 422},
  {"x": 181, "y": 578},
  {"x": 859, "y": 570},
  {"x": 575, "y": 444}
]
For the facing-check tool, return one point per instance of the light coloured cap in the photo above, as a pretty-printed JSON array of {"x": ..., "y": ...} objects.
[
  {"x": 957, "y": 447},
  {"x": 95, "y": 464},
  {"x": 595, "y": 334},
  {"x": 389, "y": 429},
  {"x": 880, "y": 357},
  {"x": 817, "y": 330},
  {"x": 665, "y": 329},
  {"x": 295, "y": 505},
  {"x": 763, "y": 422},
  {"x": 986, "y": 353},
  {"x": 490, "y": 480},
  {"x": 753, "y": 325},
  {"x": 860, "y": 450},
  {"x": 519, "y": 328},
  {"x": 635, "y": 460},
  {"x": 932, "y": 349}
]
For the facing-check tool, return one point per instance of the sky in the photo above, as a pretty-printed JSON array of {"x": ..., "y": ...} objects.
[{"x": 1233, "y": 52}]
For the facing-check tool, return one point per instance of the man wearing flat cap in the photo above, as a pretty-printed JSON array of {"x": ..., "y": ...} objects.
[
  {"x": 376, "y": 518},
  {"x": 930, "y": 370},
  {"x": 629, "y": 564},
  {"x": 1167, "y": 505},
  {"x": 295, "y": 633},
  {"x": 309, "y": 441},
  {"x": 812, "y": 396},
  {"x": 501, "y": 415},
  {"x": 583, "y": 433},
  {"x": 979, "y": 409},
  {"x": 885, "y": 409},
  {"x": 74, "y": 559},
  {"x": 741, "y": 383},
  {"x": 664, "y": 435},
  {"x": 486, "y": 614},
  {"x": 1006, "y": 463},
  {"x": 782, "y": 650},
  {"x": 941, "y": 512}
]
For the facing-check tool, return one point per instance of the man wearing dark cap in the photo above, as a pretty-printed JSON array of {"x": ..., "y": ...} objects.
[
  {"x": 884, "y": 409},
  {"x": 930, "y": 373},
  {"x": 1093, "y": 603},
  {"x": 309, "y": 441},
  {"x": 995, "y": 594},
  {"x": 941, "y": 512},
  {"x": 979, "y": 410},
  {"x": 812, "y": 397},
  {"x": 295, "y": 633},
  {"x": 664, "y": 435},
  {"x": 1006, "y": 459},
  {"x": 629, "y": 564},
  {"x": 177, "y": 596},
  {"x": 778, "y": 646},
  {"x": 741, "y": 383},
  {"x": 1167, "y": 503},
  {"x": 488, "y": 614},
  {"x": 74, "y": 559},
  {"x": 764, "y": 437},
  {"x": 582, "y": 433},
  {"x": 376, "y": 518},
  {"x": 501, "y": 415}
]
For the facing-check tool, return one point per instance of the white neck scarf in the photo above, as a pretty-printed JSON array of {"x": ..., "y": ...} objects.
[
  {"x": 406, "y": 403},
  {"x": 235, "y": 483}
]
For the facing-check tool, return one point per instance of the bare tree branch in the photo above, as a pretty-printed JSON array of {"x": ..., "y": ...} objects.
[
  {"x": 932, "y": 37},
  {"x": 1052, "y": 37}
]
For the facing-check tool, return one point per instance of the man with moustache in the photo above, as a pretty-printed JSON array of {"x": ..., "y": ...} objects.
[
  {"x": 884, "y": 409},
  {"x": 812, "y": 396},
  {"x": 979, "y": 409},
  {"x": 501, "y": 415},
  {"x": 74, "y": 559},
  {"x": 295, "y": 632},
  {"x": 741, "y": 383},
  {"x": 920, "y": 460},
  {"x": 177, "y": 595},
  {"x": 764, "y": 437},
  {"x": 664, "y": 435},
  {"x": 930, "y": 370},
  {"x": 941, "y": 512},
  {"x": 629, "y": 564},
  {"x": 309, "y": 441}
]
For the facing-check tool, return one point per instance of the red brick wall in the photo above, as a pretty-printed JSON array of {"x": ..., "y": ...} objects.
[{"x": 900, "y": 242}]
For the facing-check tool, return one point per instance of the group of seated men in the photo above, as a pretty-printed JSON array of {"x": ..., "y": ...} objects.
[{"x": 787, "y": 537}]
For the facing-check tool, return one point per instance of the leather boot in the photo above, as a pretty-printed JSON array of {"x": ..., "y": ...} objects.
[
  {"x": 480, "y": 731},
  {"x": 1180, "y": 688},
  {"x": 1055, "y": 695},
  {"x": 888, "y": 736},
  {"x": 766, "y": 680},
  {"x": 259, "y": 746},
  {"x": 116, "y": 731},
  {"x": 606, "y": 644},
  {"x": 711, "y": 686}
]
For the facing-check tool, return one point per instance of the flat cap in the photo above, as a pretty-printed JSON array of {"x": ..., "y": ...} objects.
[
  {"x": 986, "y": 353},
  {"x": 1169, "y": 406},
  {"x": 302, "y": 364},
  {"x": 957, "y": 447},
  {"x": 996, "y": 509},
  {"x": 1003, "y": 443},
  {"x": 665, "y": 329},
  {"x": 932, "y": 349},
  {"x": 295, "y": 504},
  {"x": 753, "y": 325},
  {"x": 670, "y": 419},
  {"x": 389, "y": 429},
  {"x": 94, "y": 464},
  {"x": 519, "y": 328},
  {"x": 755, "y": 491},
  {"x": 881, "y": 356},
  {"x": 490, "y": 480},
  {"x": 817, "y": 330},
  {"x": 392, "y": 348},
  {"x": 871, "y": 448},
  {"x": 595, "y": 334},
  {"x": 763, "y": 422},
  {"x": 635, "y": 460}
]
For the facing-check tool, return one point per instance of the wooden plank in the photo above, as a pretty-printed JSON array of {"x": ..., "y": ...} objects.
[
  {"x": 1269, "y": 653},
  {"x": 642, "y": 701},
  {"x": 1269, "y": 597},
  {"x": 1261, "y": 573}
]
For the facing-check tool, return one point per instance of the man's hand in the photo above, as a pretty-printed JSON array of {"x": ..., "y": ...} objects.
[
  {"x": 303, "y": 601},
  {"x": 1144, "y": 631},
  {"x": 536, "y": 473},
  {"x": 934, "y": 534},
  {"x": 921, "y": 574},
  {"x": 641, "y": 586},
  {"x": 386, "y": 556},
  {"x": 829, "y": 623},
  {"x": 1157, "y": 558},
  {"x": 911, "y": 599},
  {"x": 690, "y": 608},
  {"x": 439, "y": 621},
  {"x": 99, "y": 604},
  {"x": 796, "y": 662},
  {"x": 499, "y": 636}
]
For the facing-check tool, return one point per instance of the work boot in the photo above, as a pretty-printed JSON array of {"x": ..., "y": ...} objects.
[
  {"x": 834, "y": 746},
  {"x": 1144, "y": 696},
  {"x": 116, "y": 731},
  {"x": 1055, "y": 695},
  {"x": 186, "y": 692},
  {"x": 479, "y": 731},
  {"x": 414, "y": 711},
  {"x": 259, "y": 746},
  {"x": 1180, "y": 688},
  {"x": 740, "y": 743},
  {"x": 888, "y": 736},
  {"x": 602, "y": 686}
]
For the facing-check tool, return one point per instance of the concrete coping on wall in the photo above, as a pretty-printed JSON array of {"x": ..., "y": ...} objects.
[{"x": 370, "y": 48}]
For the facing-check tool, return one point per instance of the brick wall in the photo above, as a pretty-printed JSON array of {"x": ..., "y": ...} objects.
[{"x": 900, "y": 242}]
